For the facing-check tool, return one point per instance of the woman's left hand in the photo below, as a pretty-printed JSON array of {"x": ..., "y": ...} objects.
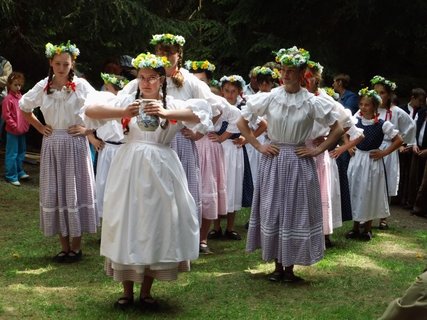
[
  {"x": 77, "y": 130},
  {"x": 189, "y": 134},
  {"x": 304, "y": 152},
  {"x": 156, "y": 109},
  {"x": 376, "y": 154},
  {"x": 240, "y": 141}
]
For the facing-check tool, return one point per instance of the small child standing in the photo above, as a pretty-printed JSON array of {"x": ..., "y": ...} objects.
[
  {"x": 366, "y": 174},
  {"x": 16, "y": 127}
]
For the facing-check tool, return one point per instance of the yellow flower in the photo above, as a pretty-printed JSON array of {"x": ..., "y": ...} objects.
[
  {"x": 194, "y": 65},
  {"x": 205, "y": 64}
]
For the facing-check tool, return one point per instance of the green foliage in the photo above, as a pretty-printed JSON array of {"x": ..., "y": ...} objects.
[{"x": 361, "y": 38}]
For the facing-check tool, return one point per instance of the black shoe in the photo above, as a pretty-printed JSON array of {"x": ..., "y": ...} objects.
[
  {"x": 328, "y": 243},
  {"x": 149, "y": 304},
  {"x": 352, "y": 234},
  {"x": 61, "y": 257},
  {"x": 232, "y": 235},
  {"x": 215, "y": 234},
  {"x": 74, "y": 256},
  {"x": 123, "y": 303},
  {"x": 291, "y": 278},
  {"x": 247, "y": 225},
  {"x": 383, "y": 225},
  {"x": 276, "y": 276},
  {"x": 366, "y": 236}
]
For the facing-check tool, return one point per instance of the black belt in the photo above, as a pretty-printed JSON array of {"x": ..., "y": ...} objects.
[{"x": 113, "y": 142}]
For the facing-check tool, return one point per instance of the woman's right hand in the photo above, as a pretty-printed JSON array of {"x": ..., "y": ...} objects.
[
  {"x": 268, "y": 149},
  {"x": 131, "y": 110},
  {"x": 46, "y": 130}
]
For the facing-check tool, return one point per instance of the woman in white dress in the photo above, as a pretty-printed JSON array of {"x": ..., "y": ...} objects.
[
  {"x": 326, "y": 165},
  {"x": 183, "y": 85},
  {"x": 67, "y": 185},
  {"x": 150, "y": 227},
  {"x": 366, "y": 176},
  {"x": 286, "y": 216},
  {"x": 403, "y": 123}
]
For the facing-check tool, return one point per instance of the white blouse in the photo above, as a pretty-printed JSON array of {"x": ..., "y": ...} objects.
[
  {"x": 402, "y": 122},
  {"x": 61, "y": 108},
  {"x": 345, "y": 119},
  {"x": 290, "y": 116}
]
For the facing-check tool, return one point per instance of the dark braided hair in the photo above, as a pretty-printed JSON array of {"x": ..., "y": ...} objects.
[
  {"x": 49, "y": 81},
  {"x": 50, "y": 77}
]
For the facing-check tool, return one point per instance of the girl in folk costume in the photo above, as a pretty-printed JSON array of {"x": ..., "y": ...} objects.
[
  {"x": 265, "y": 77},
  {"x": 326, "y": 166},
  {"x": 183, "y": 85},
  {"x": 366, "y": 176},
  {"x": 403, "y": 123},
  {"x": 213, "y": 168},
  {"x": 112, "y": 137},
  {"x": 67, "y": 185},
  {"x": 231, "y": 88},
  {"x": 150, "y": 227},
  {"x": 286, "y": 217}
]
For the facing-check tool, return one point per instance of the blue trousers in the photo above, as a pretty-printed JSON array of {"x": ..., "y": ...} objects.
[{"x": 15, "y": 154}]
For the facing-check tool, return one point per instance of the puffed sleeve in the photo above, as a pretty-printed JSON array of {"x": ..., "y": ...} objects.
[
  {"x": 103, "y": 98},
  {"x": 200, "y": 90},
  {"x": 84, "y": 88},
  {"x": 322, "y": 110},
  {"x": 201, "y": 109},
  {"x": 389, "y": 131},
  {"x": 256, "y": 106},
  {"x": 232, "y": 115},
  {"x": 354, "y": 132},
  {"x": 33, "y": 98},
  {"x": 407, "y": 128}
]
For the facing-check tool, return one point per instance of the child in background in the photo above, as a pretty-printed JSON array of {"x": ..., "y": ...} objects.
[
  {"x": 231, "y": 88},
  {"x": 366, "y": 176},
  {"x": 403, "y": 123},
  {"x": 16, "y": 127},
  {"x": 111, "y": 136}
]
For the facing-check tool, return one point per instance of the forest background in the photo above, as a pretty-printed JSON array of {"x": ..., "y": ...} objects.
[{"x": 361, "y": 38}]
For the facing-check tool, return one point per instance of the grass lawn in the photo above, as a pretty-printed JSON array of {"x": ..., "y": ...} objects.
[{"x": 355, "y": 280}]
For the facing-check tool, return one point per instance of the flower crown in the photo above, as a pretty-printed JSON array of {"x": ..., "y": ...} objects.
[
  {"x": 274, "y": 73},
  {"x": 365, "y": 92},
  {"x": 52, "y": 50},
  {"x": 315, "y": 66},
  {"x": 381, "y": 80},
  {"x": 151, "y": 61},
  {"x": 331, "y": 92},
  {"x": 214, "y": 83},
  {"x": 233, "y": 78},
  {"x": 168, "y": 39},
  {"x": 294, "y": 56},
  {"x": 199, "y": 65},
  {"x": 113, "y": 79}
]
